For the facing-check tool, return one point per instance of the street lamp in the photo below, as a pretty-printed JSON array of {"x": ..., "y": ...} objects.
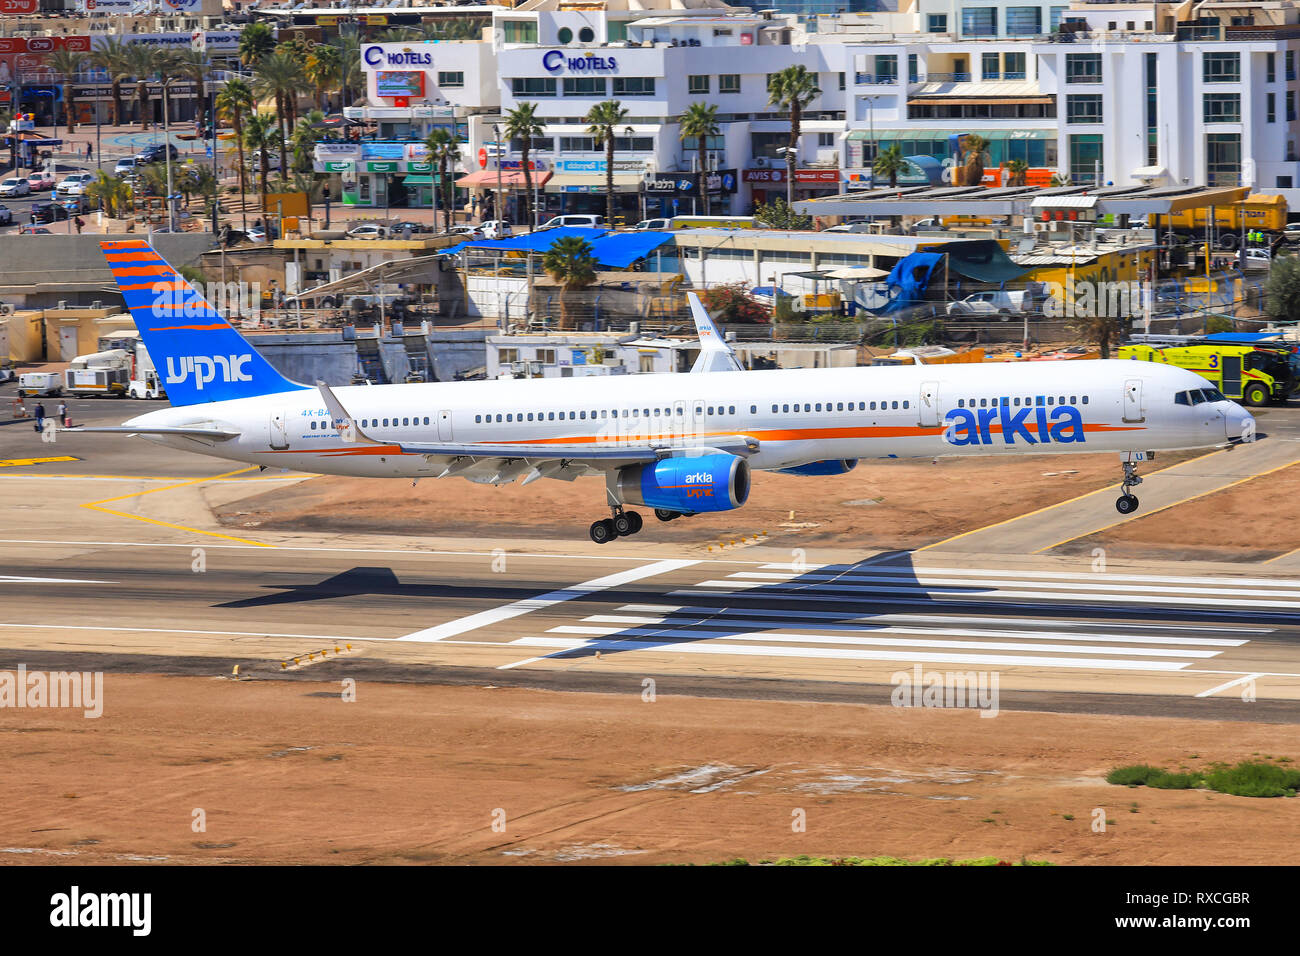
[
  {"x": 498, "y": 210},
  {"x": 871, "y": 120},
  {"x": 790, "y": 153}
]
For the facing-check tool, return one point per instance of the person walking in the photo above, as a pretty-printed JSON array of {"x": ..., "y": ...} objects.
[
  {"x": 39, "y": 412},
  {"x": 79, "y": 223},
  {"x": 90, "y": 152},
  {"x": 63, "y": 415}
]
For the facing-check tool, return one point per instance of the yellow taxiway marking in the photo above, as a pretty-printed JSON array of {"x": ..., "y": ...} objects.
[
  {"x": 1059, "y": 504},
  {"x": 16, "y": 462},
  {"x": 1181, "y": 501},
  {"x": 95, "y": 506}
]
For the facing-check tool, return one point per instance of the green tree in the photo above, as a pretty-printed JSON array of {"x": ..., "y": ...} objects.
[
  {"x": 255, "y": 41},
  {"x": 889, "y": 163},
  {"x": 324, "y": 68},
  {"x": 112, "y": 58},
  {"x": 976, "y": 154},
  {"x": 234, "y": 102},
  {"x": 259, "y": 136},
  {"x": 1018, "y": 168},
  {"x": 280, "y": 76},
  {"x": 569, "y": 262},
  {"x": 792, "y": 89},
  {"x": 142, "y": 65},
  {"x": 68, "y": 63},
  {"x": 305, "y": 135},
  {"x": 1282, "y": 290},
  {"x": 777, "y": 214},
  {"x": 700, "y": 121},
  {"x": 603, "y": 120},
  {"x": 351, "y": 76},
  {"x": 522, "y": 124},
  {"x": 196, "y": 67},
  {"x": 111, "y": 192},
  {"x": 444, "y": 150}
]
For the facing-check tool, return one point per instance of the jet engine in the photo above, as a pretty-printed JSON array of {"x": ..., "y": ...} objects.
[{"x": 687, "y": 485}]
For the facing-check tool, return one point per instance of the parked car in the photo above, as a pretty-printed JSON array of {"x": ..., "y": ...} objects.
[
  {"x": 995, "y": 302},
  {"x": 256, "y": 234},
  {"x": 77, "y": 204},
  {"x": 14, "y": 186},
  {"x": 1258, "y": 259},
  {"x": 156, "y": 153},
  {"x": 399, "y": 228},
  {"x": 75, "y": 184},
  {"x": 653, "y": 225},
  {"x": 254, "y": 160},
  {"x": 124, "y": 166},
  {"x": 573, "y": 220},
  {"x": 469, "y": 232},
  {"x": 40, "y": 181},
  {"x": 6, "y": 216},
  {"x": 48, "y": 212},
  {"x": 497, "y": 229},
  {"x": 368, "y": 230},
  {"x": 34, "y": 231}
]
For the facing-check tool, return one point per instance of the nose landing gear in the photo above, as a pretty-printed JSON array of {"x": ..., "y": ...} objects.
[{"x": 1127, "y": 503}]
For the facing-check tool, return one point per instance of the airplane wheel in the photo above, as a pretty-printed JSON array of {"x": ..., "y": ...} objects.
[
  {"x": 602, "y": 532},
  {"x": 637, "y": 522},
  {"x": 622, "y": 524},
  {"x": 1126, "y": 504},
  {"x": 665, "y": 515}
]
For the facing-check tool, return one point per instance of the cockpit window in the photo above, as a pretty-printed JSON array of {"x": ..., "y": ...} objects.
[
  {"x": 1213, "y": 395},
  {"x": 1182, "y": 399}
]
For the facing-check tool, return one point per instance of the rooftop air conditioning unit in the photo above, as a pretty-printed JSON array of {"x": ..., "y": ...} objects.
[{"x": 760, "y": 162}]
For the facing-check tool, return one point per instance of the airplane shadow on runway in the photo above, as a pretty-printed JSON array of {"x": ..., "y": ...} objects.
[{"x": 375, "y": 582}]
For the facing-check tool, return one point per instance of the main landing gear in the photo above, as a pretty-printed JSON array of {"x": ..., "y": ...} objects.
[
  {"x": 622, "y": 524},
  {"x": 1127, "y": 503}
]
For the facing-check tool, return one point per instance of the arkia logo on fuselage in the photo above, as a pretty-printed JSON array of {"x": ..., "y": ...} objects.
[
  {"x": 204, "y": 369},
  {"x": 1035, "y": 425}
]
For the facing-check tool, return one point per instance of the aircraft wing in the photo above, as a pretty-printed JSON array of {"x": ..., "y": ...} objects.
[
  {"x": 539, "y": 460},
  {"x": 715, "y": 354}
]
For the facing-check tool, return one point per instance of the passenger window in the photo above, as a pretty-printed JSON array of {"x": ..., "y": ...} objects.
[
  {"x": 1016, "y": 401},
  {"x": 550, "y": 416},
  {"x": 785, "y": 408},
  {"x": 873, "y": 406},
  {"x": 1074, "y": 400},
  {"x": 807, "y": 406},
  {"x": 753, "y": 409},
  {"x": 510, "y": 417},
  {"x": 710, "y": 409},
  {"x": 895, "y": 404},
  {"x": 1085, "y": 399},
  {"x": 313, "y": 426},
  {"x": 731, "y": 409},
  {"x": 1050, "y": 400},
  {"x": 582, "y": 414},
  {"x": 572, "y": 415},
  {"x": 819, "y": 406},
  {"x": 385, "y": 422},
  {"x": 1061, "y": 400},
  {"x": 530, "y": 416},
  {"x": 774, "y": 409},
  {"x": 905, "y": 404},
  {"x": 984, "y": 403}
]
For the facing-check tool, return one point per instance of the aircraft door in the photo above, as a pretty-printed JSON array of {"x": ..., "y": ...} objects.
[
  {"x": 1133, "y": 401},
  {"x": 1231, "y": 375},
  {"x": 279, "y": 430},
  {"x": 444, "y": 425},
  {"x": 929, "y": 404},
  {"x": 680, "y": 423},
  {"x": 697, "y": 420}
]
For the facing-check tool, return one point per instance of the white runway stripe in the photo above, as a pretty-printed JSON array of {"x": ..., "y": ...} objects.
[
  {"x": 844, "y": 653},
  {"x": 939, "y": 595},
  {"x": 1049, "y": 575},
  {"x": 671, "y": 638}
]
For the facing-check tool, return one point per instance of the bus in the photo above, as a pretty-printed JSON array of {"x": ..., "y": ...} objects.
[{"x": 1257, "y": 375}]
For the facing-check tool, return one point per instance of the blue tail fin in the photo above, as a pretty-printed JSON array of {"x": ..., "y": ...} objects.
[{"x": 199, "y": 355}]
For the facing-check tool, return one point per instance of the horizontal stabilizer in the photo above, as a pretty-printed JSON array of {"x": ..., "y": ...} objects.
[{"x": 212, "y": 433}]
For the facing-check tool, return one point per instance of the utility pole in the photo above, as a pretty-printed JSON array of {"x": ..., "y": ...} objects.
[
  {"x": 167, "y": 151},
  {"x": 499, "y": 211},
  {"x": 212, "y": 128}
]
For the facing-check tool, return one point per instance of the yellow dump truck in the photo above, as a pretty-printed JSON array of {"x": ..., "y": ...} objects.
[{"x": 1259, "y": 213}]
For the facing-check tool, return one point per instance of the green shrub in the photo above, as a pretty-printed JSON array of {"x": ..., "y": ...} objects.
[
  {"x": 1135, "y": 775},
  {"x": 1255, "y": 779},
  {"x": 1175, "y": 781}
]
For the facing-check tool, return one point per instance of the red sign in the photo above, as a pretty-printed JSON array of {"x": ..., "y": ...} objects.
[
  {"x": 27, "y": 54},
  {"x": 763, "y": 176},
  {"x": 817, "y": 175},
  {"x": 482, "y": 157},
  {"x": 20, "y": 7}
]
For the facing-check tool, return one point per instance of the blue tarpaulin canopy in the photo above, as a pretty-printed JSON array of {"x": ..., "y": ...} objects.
[
  {"x": 615, "y": 249},
  {"x": 909, "y": 279}
]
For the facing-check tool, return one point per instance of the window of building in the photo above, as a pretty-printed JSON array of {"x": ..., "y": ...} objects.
[
  {"x": 1270, "y": 108},
  {"x": 841, "y": 76},
  {"x": 634, "y": 86},
  {"x": 729, "y": 83},
  {"x": 1013, "y": 66},
  {"x": 1284, "y": 182},
  {"x": 532, "y": 86},
  {"x": 565, "y": 35},
  {"x": 1222, "y": 159},
  {"x": 991, "y": 66},
  {"x": 825, "y": 139},
  {"x": 520, "y": 31},
  {"x": 1085, "y": 155},
  {"x": 1290, "y": 112},
  {"x": 1219, "y": 67},
  {"x": 1222, "y": 107},
  {"x": 451, "y": 79},
  {"x": 546, "y": 356},
  {"x": 507, "y": 356},
  {"x": 979, "y": 21},
  {"x": 543, "y": 144},
  {"x": 1024, "y": 21},
  {"x": 577, "y": 144},
  {"x": 936, "y": 23},
  {"x": 1290, "y": 64},
  {"x": 913, "y": 68},
  {"x": 586, "y": 35},
  {"x": 697, "y": 85},
  {"x": 1083, "y": 108},
  {"x": 616, "y": 31},
  {"x": 584, "y": 86},
  {"x": 1054, "y": 18},
  {"x": 1270, "y": 67},
  {"x": 1083, "y": 67}
]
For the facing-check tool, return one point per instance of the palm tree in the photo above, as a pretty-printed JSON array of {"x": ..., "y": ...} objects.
[
  {"x": 255, "y": 42},
  {"x": 68, "y": 63},
  {"x": 700, "y": 121},
  {"x": 280, "y": 76},
  {"x": 889, "y": 163},
  {"x": 112, "y": 59},
  {"x": 1017, "y": 168},
  {"x": 569, "y": 262},
  {"x": 522, "y": 124},
  {"x": 142, "y": 63},
  {"x": 259, "y": 136},
  {"x": 324, "y": 68},
  {"x": 168, "y": 65},
  {"x": 195, "y": 66},
  {"x": 976, "y": 148},
  {"x": 235, "y": 101},
  {"x": 604, "y": 119},
  {"x": 305, "y": 134},
  {"x": 444, "y": 150},
  {"x": 112, "y": 193},
  {"x": 792, "y": 89},
  {"x": 350, "y": 74}
]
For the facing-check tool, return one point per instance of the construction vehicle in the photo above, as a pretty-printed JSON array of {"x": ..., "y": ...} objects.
[
  {"x": 1256, "y": 374},
  {"x": 1260, "y": 214}
]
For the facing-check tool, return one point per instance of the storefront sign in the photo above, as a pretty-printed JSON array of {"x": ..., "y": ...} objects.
[
  {"x": 338, "y": 167},
  {"x": 383, "y": 150},
  {"x": 424, "y": 168},
  {"x": 399, "y": 83},
  {"x": 554, "y": 61},
  {"x": 831, "y": 176},
  {"x": 394, "y": 55},
  {"x": 764, "y": 176},
  {"x": 597, "y": 166},
  {"x": 390, "y": 167},
  {"x": 339, "y": 150}
]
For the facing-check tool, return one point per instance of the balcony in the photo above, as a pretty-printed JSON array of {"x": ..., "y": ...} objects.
[
  {"x": 946, "y": 78},
  {"x": 875, "y": 79}
]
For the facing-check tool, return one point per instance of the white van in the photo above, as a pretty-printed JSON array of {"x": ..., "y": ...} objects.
[
  {"x": 40, "y": 383},
  {"x": 579, "y": 221}
]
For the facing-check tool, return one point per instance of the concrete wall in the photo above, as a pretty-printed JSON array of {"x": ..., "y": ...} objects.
[{"x": 325, "y": 356}]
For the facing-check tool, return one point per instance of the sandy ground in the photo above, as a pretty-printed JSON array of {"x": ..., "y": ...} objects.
[
  {"x": 417, "y": 774},
  {"x": 1251, "y": 521},
  {"x": 880, "y": 504}
]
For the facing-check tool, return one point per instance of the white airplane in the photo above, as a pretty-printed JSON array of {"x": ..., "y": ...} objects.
[{"x": 680, "y": 444}]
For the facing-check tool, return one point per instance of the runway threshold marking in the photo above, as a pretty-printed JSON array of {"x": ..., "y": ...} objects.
[
  {"x": 95, "y": 506},
  {"x": 1232, "y": 683},
  {"x": 17, "y": 462},
  {"x": 515, "y": 609}
]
